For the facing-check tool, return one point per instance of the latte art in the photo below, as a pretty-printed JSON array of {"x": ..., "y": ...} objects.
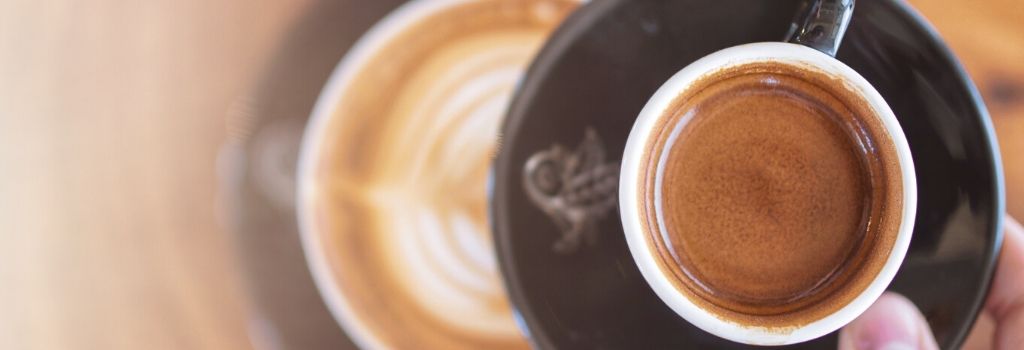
[
  {"x": 400, "y": 170},
  {"x": 430, "y": 192}
]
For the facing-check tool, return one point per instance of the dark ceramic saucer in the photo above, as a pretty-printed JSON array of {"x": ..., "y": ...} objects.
[{"x": 573, "y": 280}]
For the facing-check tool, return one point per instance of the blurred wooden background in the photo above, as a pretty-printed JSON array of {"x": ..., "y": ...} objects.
[{"x": 111, "y": 114}]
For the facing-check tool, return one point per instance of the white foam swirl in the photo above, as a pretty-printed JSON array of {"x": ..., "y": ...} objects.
[
  {"x": 396, "y": 157},
  {"x": 432, "y": 196}
]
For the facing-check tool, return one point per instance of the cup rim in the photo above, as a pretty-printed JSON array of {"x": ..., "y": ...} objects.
[{"x": 644, "y": 255}]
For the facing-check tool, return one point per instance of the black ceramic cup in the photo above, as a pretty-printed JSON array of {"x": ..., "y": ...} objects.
[{"x": 583, "y": 93}]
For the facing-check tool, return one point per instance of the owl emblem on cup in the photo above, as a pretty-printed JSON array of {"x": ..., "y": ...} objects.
[{"x": 575, "y": 188}]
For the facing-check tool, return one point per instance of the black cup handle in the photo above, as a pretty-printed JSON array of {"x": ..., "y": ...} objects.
[{"x": 820, "y": 24}]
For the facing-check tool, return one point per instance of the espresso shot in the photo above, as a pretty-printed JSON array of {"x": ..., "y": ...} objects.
[{"x": 772, "y": 193}]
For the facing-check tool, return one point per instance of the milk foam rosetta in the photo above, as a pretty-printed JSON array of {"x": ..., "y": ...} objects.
[
  {"x": 429, "y": 195},
  {"x": 405, "y": 168}
]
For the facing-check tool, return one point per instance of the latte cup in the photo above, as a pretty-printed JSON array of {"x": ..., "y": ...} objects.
[
  {"x": 811, "y": 46},
  {"x": 391, "y": 201}
]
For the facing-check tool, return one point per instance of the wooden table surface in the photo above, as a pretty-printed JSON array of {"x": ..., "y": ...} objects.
[{"x": 111, "y": 114}]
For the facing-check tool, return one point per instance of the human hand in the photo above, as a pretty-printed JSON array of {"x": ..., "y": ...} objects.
[{"x": 893, "y": 322}]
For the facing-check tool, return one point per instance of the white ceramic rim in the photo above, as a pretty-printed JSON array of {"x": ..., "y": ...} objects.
[
  {"x": 311, "y": 151},
  {"x": 644, "y": 255}
]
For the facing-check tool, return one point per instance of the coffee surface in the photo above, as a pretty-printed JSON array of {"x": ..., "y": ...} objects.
[
  {"x": 775, "y": 193},
  {"x": 401, "y": 175}
]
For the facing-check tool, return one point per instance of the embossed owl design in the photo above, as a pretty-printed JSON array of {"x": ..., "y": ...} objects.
[{"x": 575, "y": 189}]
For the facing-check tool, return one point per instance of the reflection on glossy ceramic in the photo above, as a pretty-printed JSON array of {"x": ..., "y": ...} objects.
[{"x": 608, "y": 59}]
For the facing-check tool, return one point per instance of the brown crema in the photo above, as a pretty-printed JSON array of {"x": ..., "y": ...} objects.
[{"x": 772, "y": 193}]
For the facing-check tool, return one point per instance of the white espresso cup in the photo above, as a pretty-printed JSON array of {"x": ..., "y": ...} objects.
[{"x": 814, "y": 40}]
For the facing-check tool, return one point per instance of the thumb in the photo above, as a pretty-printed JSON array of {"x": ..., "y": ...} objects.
[{"x": 892, "y": 323}]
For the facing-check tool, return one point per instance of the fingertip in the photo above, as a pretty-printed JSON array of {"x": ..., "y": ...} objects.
[
  {"x": 1013, "y": 224},
  {"x": 1005, "y": 301},
  {"x": 892, "y": 322}
]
